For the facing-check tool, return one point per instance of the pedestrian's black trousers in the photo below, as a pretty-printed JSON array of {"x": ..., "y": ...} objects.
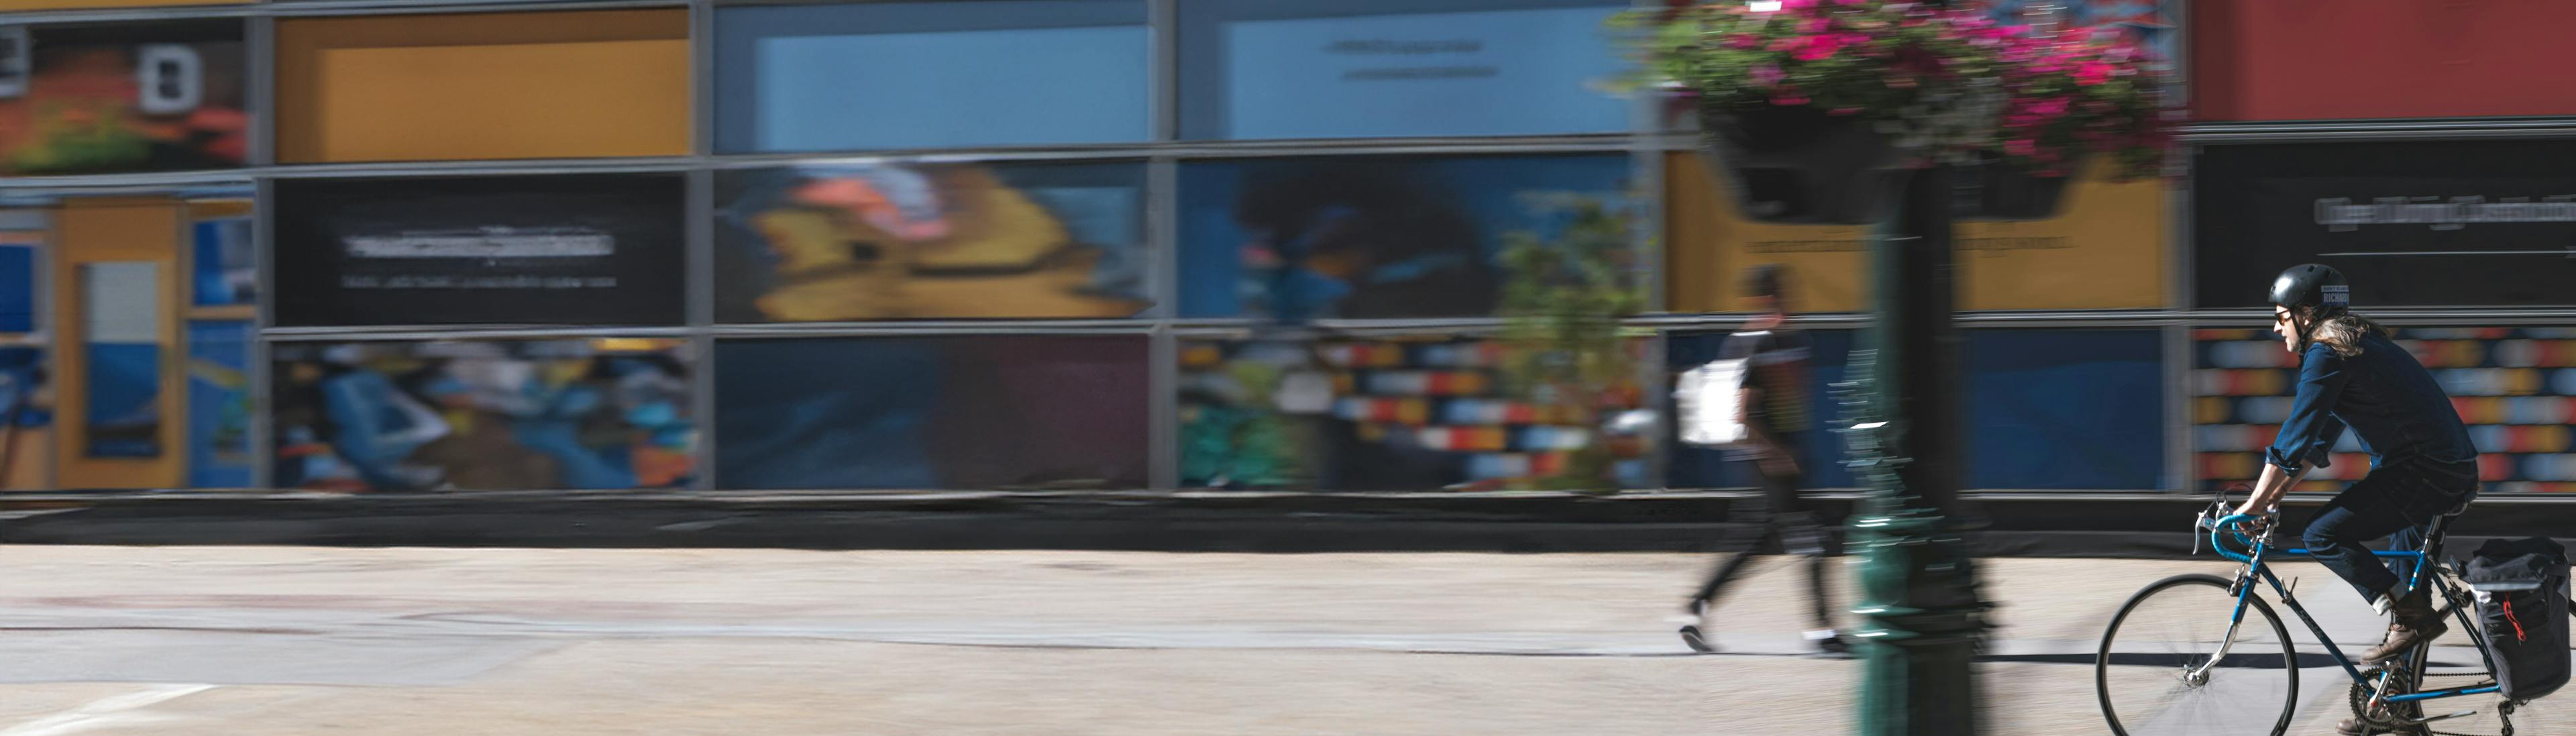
[{"x": 1783, "y": 514}]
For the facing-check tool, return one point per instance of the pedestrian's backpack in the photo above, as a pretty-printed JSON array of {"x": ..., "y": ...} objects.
[
  {"x": 2521, "y": 587},
  {"x": 1704, "y": 400}
]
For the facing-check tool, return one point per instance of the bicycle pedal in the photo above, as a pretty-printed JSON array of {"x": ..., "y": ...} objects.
[{"x": 2430, "y": 719}]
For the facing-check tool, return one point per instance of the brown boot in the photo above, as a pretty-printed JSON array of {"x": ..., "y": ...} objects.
[{"x": 2412, "y": 621}]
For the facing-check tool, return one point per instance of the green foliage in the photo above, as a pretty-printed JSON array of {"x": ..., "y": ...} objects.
[{"x": 1565, "y": 347}]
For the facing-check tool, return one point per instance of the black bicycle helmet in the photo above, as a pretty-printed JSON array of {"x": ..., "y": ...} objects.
[{"x": 2312, "y": 285}]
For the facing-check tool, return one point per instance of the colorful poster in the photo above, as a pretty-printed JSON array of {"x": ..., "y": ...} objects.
[
  {"x": 844, "y": 243},
  {"x": 225, "y": 262},
  {"x": 219, "y": 397},
  {"x": 98, "y": 99},
  {"x": 2105, "y": 249},
  {"x": 26, "y": 419},
  {"x": 1384, "y": 415},
  {"x": 555, "y": 250},
  {"x": 1368, "y": 237},
  {"x": 601, "y": 413},
  {"x": 20, "y": 281},
  {"x": 967, "y": 412},
  {"x": 2412, "y": 223},
  {"x": 121, "y": 319},
  {"x": 2514, "y": 387}
]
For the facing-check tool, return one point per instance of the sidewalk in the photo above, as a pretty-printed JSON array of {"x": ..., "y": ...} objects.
[{"x": 118, "y": 641}]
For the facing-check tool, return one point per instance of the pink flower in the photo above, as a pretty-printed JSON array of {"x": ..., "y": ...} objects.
[
  {"x": 1744, "y": 41},
  {"x": 1849, "y": 3},
  {"x": 2092, "y": 73},
  {"x": 1820, "y": 47},
  {"x": 1814, "y": 25},
  {"x": 1797, "y": 4},
  {"x": 1789, "y": 101},
  {"x": 2051, "y": 107},
  {"x": 1843, "y": 111},
  {"x": 2021, "y": 147},
  {"x": 1767, "y": 74}
]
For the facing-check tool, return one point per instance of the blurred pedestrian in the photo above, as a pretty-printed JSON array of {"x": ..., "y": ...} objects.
[{"x": 1771, "y": 404}]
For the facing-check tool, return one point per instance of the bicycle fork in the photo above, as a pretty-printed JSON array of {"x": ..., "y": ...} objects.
[{"x": 2199, "y": 675}]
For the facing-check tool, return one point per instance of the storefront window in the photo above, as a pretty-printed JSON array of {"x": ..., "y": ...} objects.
[
  {"x": 2044, "y": 410},
  {"x": 858, "y": 242},
  {"x": 116, "y": 98},
  {"x": 909, "y": 75},
  {"x": 601, "y": 413},
  {"x": 983, "y": 412},
  {"x": 1401, "y": 68},
  {"x": 1381, "y": 238},
  {"x": 563, "y": 250}
]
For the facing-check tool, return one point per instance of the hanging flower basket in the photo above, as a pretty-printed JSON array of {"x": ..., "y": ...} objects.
[
  {"x": 2008, "y": 191},
  {"x": 1814, "y": 108},
  {"x": 1801, "y": 165}
]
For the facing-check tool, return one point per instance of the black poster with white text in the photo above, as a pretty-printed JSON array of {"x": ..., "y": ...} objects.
[
  {"x": 2413, "y": 224},
  {"x": 531, "y": 250}
]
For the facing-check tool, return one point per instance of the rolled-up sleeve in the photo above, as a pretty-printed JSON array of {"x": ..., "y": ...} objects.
[{"x": 2311, "y": 430}]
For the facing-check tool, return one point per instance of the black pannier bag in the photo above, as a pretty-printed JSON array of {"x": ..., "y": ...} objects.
[{"x": 2521, "y": 587}]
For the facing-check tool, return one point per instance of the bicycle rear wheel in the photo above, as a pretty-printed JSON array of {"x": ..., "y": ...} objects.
[{"x": 2144, "y": 671}]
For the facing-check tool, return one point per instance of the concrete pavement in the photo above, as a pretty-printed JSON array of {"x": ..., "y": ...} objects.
[{"x": 273, "y": 640}]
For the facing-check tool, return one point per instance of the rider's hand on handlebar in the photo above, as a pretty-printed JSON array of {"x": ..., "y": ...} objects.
[{"x": 2254, "y": 527}]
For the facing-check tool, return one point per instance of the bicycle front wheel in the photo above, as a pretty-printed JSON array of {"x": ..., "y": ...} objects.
[{"x": 2155, "y": 675}]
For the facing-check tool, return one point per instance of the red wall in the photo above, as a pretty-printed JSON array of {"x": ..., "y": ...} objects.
[{"x": 2329, "y": 59}]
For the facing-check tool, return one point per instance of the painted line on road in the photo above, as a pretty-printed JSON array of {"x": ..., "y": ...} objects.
[{"x": 103, "y": 712}]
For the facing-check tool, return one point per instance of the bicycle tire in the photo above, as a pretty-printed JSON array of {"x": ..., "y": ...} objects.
[{"x": 2103, "y": 658}]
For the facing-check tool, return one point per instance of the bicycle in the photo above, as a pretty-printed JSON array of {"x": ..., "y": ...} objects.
[{"x": 2195, "y": 684}]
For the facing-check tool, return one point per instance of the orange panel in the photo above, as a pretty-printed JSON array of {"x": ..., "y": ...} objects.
[
  {"x": 12, "y": 6},
  {"x": 485, "y": 86},
  {"x": 115, "y": 230}
]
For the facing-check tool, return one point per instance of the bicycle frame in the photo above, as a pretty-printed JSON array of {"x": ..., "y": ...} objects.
[{"x": 2260, "y": 549}]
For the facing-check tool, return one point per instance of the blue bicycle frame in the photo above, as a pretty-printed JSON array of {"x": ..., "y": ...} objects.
[{"x": 2218, "y": 533}]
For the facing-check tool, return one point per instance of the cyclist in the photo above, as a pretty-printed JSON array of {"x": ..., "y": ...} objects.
[
  {"x": 2422, "y": 464},
  {"x": 1772, "y": 406}
]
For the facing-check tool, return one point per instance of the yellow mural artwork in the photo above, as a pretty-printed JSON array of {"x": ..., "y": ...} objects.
[{"x": 2104, "y": 250}]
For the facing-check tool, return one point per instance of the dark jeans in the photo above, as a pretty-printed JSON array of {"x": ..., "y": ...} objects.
[
  {"x": 2397, "y": 502},
  {"x": 1781, "y": 513}
]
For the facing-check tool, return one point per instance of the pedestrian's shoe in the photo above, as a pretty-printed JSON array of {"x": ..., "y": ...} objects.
[
  {"x": 2412, "y": 622},
  {"x": 2354, "y": 727},
  {"x": 1691, "y": 637},
  {"x": 1834, "y": 645}
]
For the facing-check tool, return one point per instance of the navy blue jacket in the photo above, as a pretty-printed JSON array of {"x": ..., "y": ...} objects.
[{"x": 2384, "y": 396}]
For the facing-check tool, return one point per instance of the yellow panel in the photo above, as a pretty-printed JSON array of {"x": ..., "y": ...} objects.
[
  {"x": 1710, "y": 247},
  {"x": 115, "y": 230},
  {"x": 11, "y": 6},
  {"x": 216, "y": 209},
  {"x": 2104, "y": 251},
  {"x": 547, "y": 100}
]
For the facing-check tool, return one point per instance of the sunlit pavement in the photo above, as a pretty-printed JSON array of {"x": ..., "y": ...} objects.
[{"x": 206, "y": 640}]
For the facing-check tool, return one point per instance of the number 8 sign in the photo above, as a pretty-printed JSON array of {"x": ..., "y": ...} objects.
[{"x": 171, "y": 78}]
